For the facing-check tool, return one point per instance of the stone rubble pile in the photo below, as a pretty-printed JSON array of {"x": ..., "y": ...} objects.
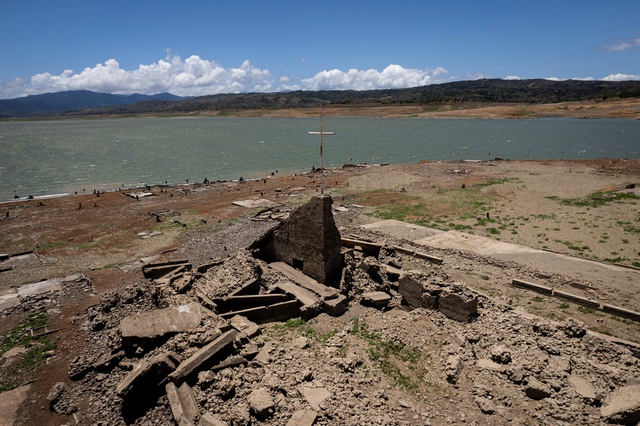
[{"x": 384, "y": 345}]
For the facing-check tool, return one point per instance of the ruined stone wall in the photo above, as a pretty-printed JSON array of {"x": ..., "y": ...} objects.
[{"x": 310, "y": 241}]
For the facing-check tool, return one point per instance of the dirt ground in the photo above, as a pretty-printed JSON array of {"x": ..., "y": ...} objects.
[
  {"x": 611, "y": 108},
  {"x": 558, "y": 206}
]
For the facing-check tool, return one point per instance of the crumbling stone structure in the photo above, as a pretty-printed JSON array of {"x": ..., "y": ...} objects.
[{"x": 308, "y": 241}]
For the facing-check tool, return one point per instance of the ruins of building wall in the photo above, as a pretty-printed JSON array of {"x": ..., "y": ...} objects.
[{"x": 308, "y": 240}]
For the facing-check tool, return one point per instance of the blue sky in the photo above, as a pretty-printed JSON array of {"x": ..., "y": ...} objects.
[{"x": 208, "y": 47}]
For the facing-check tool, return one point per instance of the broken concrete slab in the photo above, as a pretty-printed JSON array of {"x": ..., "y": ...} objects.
[
  {"x": 183, "y": 404},
  {"x": 622, "y": 406},
  {"x": 243, "y": 325},
  {"x": 10, "y": 403},
  {"x": 310, "y": 304},
  {"x": 303, "y": 418},
  {"x": 304, "y": 281},
  {"x": 583, "y": 387},
  {"x": 265, "y": 314},
  {"x": 155, "y": 324},
  {"x": 157, "y": 270},
  {"x": 252, "y": 204},
  {"x": 377, "y": 299},
  {"x": 9, "y": 301},
  {"x": 148, "y": 373},
  {"x": 250, "y": 287},
  {"x": 182, "y": 284},
  {"x": 315, "y": 396},
  {"x": 41, "y": 287},
  {"x": 202, "y": 356}
]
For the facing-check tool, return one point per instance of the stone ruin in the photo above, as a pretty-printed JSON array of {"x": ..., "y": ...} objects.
[
  {"x": 308, "y": 241},
  {"x": 185, "y": 335}
]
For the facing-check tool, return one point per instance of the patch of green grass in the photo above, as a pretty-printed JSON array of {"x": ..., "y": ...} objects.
[
  {"x": 301, "y": 326},
  {"x": 631, "y": 229},
  {"x": 49, "y": 246},
  {"x": 387, "y": 354},
  {"x": 38, "y": 349},
  {"x": 596, "y": 199},
  {"x": 538, "y": 299},
  {"x": 586, "y": 310},
  {"x": 493, "y": 231},
  {"x": 563, "y": 306},
  {"x": 20, "y": 335}
]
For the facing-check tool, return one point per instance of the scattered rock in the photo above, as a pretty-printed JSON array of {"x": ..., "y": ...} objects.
[
  {"x": 60, "y": 400},
  {"x": 535, "y": 389},
  {"x": 453, "y": 368},
  {"x": 500, "y": 354},
  {"x": 260, "y": 402}
]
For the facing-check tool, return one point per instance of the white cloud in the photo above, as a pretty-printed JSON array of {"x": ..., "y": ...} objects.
[
  {"x": 195, "y": 76},
  {"x": 392, "y": 77},
  {"x": 623, "y": 44},
  {"x": 621, "y": 77},
  {"x": 192, "y": 77}
]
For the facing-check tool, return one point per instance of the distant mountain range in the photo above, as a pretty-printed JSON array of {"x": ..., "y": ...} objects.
[
  {"x": 73, "y": 100},
  {"x": 535, "y": 91}
]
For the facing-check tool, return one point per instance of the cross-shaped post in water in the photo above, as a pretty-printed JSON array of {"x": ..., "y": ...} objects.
[{"x": 321, "y": 133}]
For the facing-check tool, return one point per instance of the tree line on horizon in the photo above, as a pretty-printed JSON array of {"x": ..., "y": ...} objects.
[{"x": 534, "y": 91}]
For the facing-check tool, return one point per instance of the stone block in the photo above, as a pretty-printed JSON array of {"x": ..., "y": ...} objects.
[
  {"x": 537, "y": 390},
  {"x": 576, "y": 299},
  {"x": 377, "y": 299},
  {"x": 621, "y": 312},
  {"x": 411, "y": 289},
  {"x": 155, "y": 324},
  {"x": 461, "y": 307},
  {"x": 453, "y": 368},
  {"x": 393, "y": 273},
  {"x": 583, "y": 387},
  {"x": 335, "y": 307}
]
